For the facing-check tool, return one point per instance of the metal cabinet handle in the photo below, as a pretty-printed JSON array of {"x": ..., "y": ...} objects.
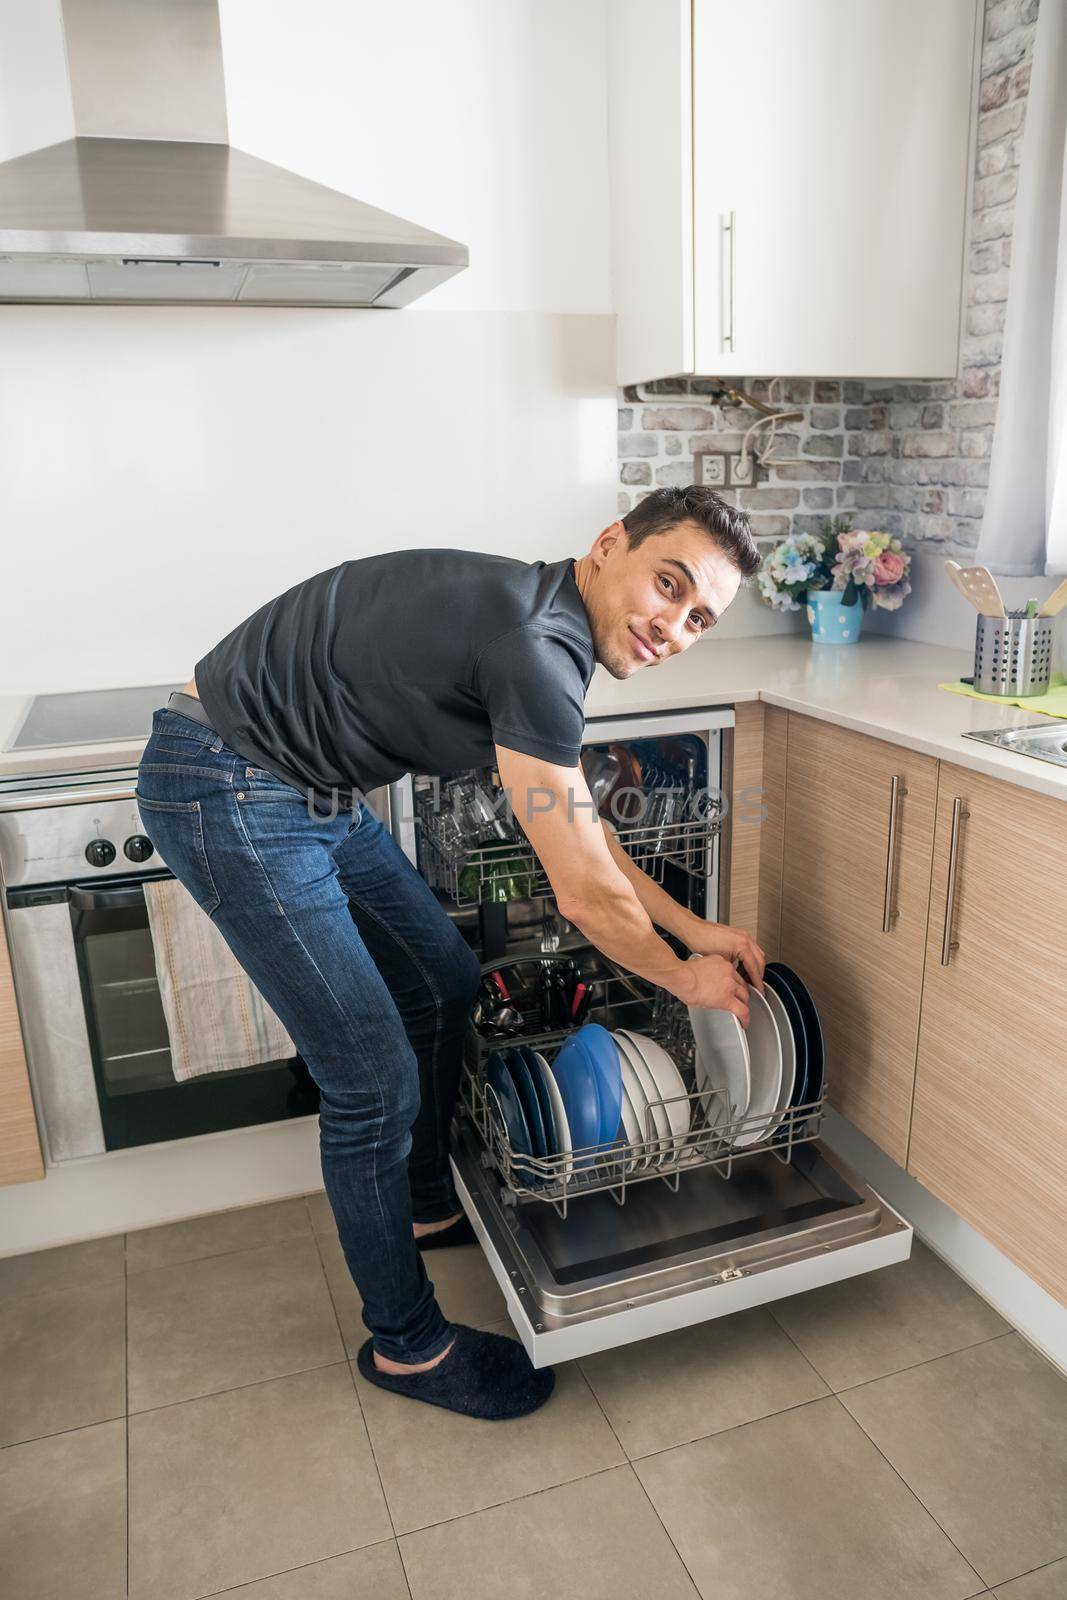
[
  {"x": 889, "y": 914},
  {"x": 948, "y": 944},
  {"x": 729, "y": 227}
]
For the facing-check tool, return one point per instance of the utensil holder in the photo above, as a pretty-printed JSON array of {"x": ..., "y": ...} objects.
[{"x": 1013, "y": 654}]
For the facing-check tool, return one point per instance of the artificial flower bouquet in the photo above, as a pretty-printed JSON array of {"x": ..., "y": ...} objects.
[{"x": 869, "y": 567}]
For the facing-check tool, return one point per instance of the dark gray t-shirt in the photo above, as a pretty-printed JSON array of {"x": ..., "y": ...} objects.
[{"x": 415, "y": 661}]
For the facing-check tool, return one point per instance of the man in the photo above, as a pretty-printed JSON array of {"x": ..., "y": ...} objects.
[{"x": 429, "y": 661}]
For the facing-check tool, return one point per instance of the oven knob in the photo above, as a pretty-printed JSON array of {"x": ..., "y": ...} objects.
[
  {"x": 138, "y": 848},
  {"x": 100, "y": 852}
]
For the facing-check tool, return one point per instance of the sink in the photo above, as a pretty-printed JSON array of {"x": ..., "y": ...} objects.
[{"x": 1045, "y": 741}]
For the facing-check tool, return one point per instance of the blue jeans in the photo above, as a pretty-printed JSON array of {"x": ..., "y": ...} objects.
[{"x": 373, "y": 983}]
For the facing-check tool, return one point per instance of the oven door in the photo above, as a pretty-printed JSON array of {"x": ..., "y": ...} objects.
[{"x": 96, "y": 1032}]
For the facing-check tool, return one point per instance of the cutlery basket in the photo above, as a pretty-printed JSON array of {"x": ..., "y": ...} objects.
[
  {"x": 625, "y": 1001},
  {"x": 1013, "y": 654}
]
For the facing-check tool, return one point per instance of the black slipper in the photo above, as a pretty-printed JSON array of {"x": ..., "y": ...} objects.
[
  {"x": 458, "y": 1232},
  {"x": 483, "y": 1375}
]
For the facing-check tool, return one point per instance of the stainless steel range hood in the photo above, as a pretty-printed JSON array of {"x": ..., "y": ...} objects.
[{"x": 150, "y": 203}]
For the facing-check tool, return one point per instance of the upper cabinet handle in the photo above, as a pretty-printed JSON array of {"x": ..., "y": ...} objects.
[
  {"x": 728, "y": 224},
  {"x": 948, "y": 944},
  {"x": 889, "y": 912}
]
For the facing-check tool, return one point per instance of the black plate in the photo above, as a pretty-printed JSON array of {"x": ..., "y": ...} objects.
[
  {"x": 812, "y": 1029},
  {"x": 798, "y": 1030}
]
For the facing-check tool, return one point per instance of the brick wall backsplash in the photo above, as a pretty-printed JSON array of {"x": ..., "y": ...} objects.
[{"x": 911, "y": 458}]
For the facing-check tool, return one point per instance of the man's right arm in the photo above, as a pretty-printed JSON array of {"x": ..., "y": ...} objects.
[{"x": 554, "y": 808}]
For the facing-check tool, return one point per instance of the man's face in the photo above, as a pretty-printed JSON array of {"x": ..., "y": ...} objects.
[{"x": 646, "y": 605}]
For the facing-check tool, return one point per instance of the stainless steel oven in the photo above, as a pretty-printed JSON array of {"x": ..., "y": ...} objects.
[{"x": 74, "y": 860}]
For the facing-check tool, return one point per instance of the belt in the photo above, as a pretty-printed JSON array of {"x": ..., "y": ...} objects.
[{"x": 189, "y": 706}]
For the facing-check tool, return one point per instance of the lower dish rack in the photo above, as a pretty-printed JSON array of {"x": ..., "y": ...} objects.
[{"x": 709, "y": 1141}]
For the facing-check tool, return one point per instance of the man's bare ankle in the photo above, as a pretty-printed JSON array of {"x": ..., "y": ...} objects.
[
  {"x": 420, "y": 1228},
  {"x": 384, "y": 1364}
]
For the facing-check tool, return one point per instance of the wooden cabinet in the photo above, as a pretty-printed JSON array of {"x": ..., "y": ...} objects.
[
  {"x": 790, "y": 183},
  {"x": 989, "y": 1126},
  {"x": 854, "y": 896},
  {"x": 20, "y": 1148}
]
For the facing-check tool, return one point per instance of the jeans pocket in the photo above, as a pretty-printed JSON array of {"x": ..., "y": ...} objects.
[{"x": 176, "y": 828}]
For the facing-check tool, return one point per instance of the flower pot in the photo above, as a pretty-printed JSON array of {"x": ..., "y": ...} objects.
[{"x": 832, "y": 622}]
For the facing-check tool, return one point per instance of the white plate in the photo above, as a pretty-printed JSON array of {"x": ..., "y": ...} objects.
[
  {"x": 721, "y": 1062},
  {"x": 558, "y": 1110},
  {"x": 634, "y": 1100},
  {"x": 631, "y": 1126},
  {"x": 765, "y": 1068},
  {"x": 668, "y": 1082},
  {"x": 629, "y": 1053},
  {"x": 789, "y": 1056}
]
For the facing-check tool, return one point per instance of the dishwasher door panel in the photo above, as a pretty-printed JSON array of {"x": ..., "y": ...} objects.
[{"x": 610, "y": 1274}]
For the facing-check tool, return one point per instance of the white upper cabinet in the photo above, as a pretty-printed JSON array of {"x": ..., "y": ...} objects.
[{"x": 790, "y": 185}]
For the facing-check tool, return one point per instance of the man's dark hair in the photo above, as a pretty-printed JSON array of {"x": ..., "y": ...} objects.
[{"x": 666, "y": 508}]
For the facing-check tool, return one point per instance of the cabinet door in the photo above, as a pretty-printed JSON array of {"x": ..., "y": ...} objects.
[
  {"x": 989, "y": 1129},
  {"x": 20, "y": 1148},
  {"x": 866, "y": 981},
  {"x": 836, "y": 136}
]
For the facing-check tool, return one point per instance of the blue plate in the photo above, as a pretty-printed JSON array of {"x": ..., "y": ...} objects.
[
  {"x": 602, "y": 1050},
  {"x": 531, "y": 1105},
  {"x": 500, "y": 1079},
  {"x": 544, "y": 1100},
  {"x": 800, "y": 1038},
  {"x": 575, "y": 1075},
  {"x": 813, "y": 1078}
]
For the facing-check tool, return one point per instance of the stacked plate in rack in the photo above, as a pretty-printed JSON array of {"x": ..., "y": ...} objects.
[
  {"x": 618, "y": 1099},
  {"x": 753, "y": 1084}
]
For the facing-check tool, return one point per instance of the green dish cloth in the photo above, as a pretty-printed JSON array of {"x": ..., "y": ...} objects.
[{"x": 1053, "y": 703}]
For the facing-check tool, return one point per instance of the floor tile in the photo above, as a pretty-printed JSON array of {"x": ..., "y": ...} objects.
[
  {"x": 1047, "y": 1583},
  {"x": 800, "y": 1506},
  {"x": 63, "y": 1359},
  {"x": 879, "y": 1322},
  {"x": 240, "y": 1229},
  {"x": 202, "y": 1326},
  {"x": 256, "y": 1481},
  {"x": 92, "y": 1261},
  {"x": 63, "y": 1516},
  {"x": 319, "y": 1212},
  {"x": 598, "y": 1538},
  {"x": 463, "y": 1283},
  {"x": 376, "y": 1571},
  {"x": 680, "y": 1386},
  {"x": 435, "y": 1464},
  {"x": 981, "y": 1437}
]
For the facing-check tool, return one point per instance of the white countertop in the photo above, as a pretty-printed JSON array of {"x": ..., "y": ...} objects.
[{"x": 880, "y": 686}]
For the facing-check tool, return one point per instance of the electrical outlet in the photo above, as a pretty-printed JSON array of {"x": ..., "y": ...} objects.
[
  {"x": 711, "y": 465},
  {"x": 742, "y": 471}
]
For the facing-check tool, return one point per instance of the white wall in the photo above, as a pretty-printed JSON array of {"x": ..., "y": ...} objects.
[
  {"x": 485, "y": 120},
  {"x": 163, "y": 471}
]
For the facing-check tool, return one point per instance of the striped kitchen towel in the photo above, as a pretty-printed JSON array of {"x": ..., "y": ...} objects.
[{"x": 216, "y": 1017}]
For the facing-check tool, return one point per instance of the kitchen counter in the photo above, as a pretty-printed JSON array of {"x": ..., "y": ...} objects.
[
  {"x": 880, "y": 686},
  {"x": 883, "y": 687}
]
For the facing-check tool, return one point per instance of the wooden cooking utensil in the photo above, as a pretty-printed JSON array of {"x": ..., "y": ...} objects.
[
  {"x": 955, "y": 572},
  {"x": 981, "y": 589},
  {"x": 1055, "y": 602}
]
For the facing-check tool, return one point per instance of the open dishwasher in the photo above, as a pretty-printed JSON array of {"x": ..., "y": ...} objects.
[{"x": 602, "y": 1247}]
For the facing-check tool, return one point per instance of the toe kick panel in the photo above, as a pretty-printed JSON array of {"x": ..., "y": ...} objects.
[{"x": 608, "y": 1274}]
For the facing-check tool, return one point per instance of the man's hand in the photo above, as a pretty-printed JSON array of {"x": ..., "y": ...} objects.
[
  {"x": 714, "y": 983},
  {"x": 718, "y": 939}
]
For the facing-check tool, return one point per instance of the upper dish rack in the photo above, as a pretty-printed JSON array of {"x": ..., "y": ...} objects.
[
  {"x": 627, "y": 1001},
  {"x": 474, "y": 871}
]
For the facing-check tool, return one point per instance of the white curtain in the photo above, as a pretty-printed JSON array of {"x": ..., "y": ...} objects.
[{"x": 1024, "y": 529}]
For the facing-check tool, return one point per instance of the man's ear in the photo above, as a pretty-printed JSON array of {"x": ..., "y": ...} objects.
[{"x": 607, "y": 539}]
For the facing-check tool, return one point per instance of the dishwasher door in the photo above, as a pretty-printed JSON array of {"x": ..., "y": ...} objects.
[{"x": 608, "y": 1274}]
